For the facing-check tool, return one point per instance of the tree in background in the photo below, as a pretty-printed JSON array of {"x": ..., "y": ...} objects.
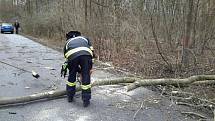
[{"x": 147, "y": 36}]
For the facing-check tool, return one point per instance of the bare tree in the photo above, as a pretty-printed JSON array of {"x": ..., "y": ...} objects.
[{"x": 124, "y": 31}]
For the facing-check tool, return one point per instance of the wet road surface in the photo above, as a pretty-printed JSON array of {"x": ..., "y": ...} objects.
[{"x": 109, "y": 103}]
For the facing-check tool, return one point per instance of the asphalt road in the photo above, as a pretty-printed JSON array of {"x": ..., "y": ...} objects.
[{"x": 109, "y": 103}]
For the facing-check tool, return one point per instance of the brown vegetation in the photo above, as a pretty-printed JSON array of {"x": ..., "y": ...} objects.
[{"x": 154, "y": 38}]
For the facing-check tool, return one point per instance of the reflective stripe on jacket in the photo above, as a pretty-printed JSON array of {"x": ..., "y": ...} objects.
[{"x": 77, "y": 46}]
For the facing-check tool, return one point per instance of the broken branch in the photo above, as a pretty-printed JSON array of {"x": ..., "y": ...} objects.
[
  {"x": 135, "y": 81},
  {"x": 57, "y": 93},
  {"x": 195, "y": 114},
  {"x": 175, "y": 82}
]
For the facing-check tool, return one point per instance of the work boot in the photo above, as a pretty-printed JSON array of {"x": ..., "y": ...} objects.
[
  {"x": 86, "y": 103},
  {"x": 70, "y": 99}
]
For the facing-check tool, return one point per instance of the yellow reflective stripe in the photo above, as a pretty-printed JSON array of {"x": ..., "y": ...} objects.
[
  {"x": 86, "y": 87},
  {"x": 71, "y": 39},
  {"x": 72, "y": 51},
  {"x": 91, "y": 48},
  {"x": 71, "y": 84}
]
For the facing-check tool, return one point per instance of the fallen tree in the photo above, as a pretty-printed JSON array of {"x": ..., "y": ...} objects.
[
  {"x": 133, "y": 83},
  {"x": 57, "y": 93},
  {"x": 198, "y": 79}
]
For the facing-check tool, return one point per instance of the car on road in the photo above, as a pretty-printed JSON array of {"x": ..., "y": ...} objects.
[{"x": 7, "y": 27}]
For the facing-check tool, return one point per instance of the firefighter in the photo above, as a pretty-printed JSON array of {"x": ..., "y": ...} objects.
[{"x": 78, "y": 53}]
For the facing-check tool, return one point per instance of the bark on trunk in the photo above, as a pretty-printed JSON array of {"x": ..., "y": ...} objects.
[
  {"x": 135, "y": 82},
  {"x": 57, "y": 93},
  {"x": 175, "y": 82}
]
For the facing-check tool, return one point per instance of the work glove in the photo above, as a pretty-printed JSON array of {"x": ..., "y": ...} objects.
[
  {"x": 64, "y": 69},
  {"x": 93, "y": 60}
]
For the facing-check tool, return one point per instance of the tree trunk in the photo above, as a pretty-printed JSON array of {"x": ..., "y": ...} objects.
[
  {"x": 175, "y": 82},
  {"x": 57, "y": 93},
  {"x": 136, "y": 82},
  {"x": 185, "y": 53}
]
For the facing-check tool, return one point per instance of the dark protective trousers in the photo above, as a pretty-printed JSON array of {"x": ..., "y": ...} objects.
[
  {"x": 83, "y": 64},
  {"x": 17, "y": 30}
]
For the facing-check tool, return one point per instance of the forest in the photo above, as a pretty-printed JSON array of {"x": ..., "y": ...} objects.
[
  {"x": 173, "y": 40},
  {"x": 165, "y": 38}
]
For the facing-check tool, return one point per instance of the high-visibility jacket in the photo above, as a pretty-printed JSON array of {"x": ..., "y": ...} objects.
[{"x": 77, "y": 46}]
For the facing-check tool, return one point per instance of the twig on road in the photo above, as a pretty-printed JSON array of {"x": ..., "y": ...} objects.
[
  {"x": 194, "y": 114},
  {"x": 138, "y": 110},
  {"x": 34, "y": 74},
  {"x": 15, "y": 67}
]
